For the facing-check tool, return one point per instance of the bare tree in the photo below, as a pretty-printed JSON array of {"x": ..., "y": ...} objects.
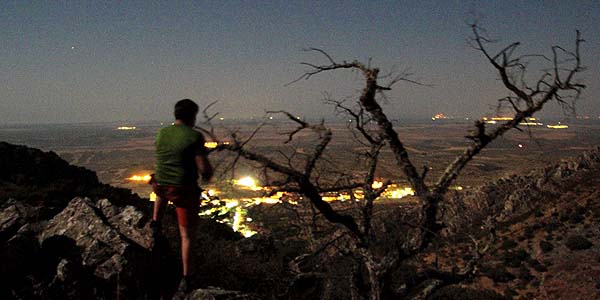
[{"x": 557, "y": 83}]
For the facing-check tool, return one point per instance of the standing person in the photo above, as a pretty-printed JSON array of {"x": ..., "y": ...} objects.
[{"x": 180, "y": 157}]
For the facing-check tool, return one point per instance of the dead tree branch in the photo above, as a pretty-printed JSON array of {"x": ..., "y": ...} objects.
[{"x": 549, "y": 87}]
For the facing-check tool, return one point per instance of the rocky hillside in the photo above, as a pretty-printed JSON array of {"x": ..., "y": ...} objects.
[
  {"x": 64, "y": 235},
  {"x": 543, "y": 232}
]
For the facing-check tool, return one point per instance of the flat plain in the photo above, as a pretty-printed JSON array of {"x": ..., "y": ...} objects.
[{"x": 116, "y": 155}]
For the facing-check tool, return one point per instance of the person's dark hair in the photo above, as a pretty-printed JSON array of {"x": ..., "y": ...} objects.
[{"x": 186, "y": 110}]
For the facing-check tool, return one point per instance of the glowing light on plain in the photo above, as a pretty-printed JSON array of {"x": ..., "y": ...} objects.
[
  {"x": 248, "y": 182},
  {"x": 377, "y": 184},
  {"x": 559, "y": 126},
  {"x": 144, "y": 178}
]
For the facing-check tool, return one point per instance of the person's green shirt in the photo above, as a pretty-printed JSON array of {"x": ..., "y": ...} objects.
[{"x": 176, "y": 148}]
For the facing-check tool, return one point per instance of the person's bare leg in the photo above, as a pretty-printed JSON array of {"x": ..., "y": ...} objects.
[{"x": 187, "y": 236}]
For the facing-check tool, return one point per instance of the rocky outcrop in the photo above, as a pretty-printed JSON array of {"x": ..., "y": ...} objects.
[
  {"x": 45, "y": 182},
  {"x": 98, "y": 250},
  {"x": 541, "y": 228},
  {"x": 218, "y": 294},
  {"x": 111, "y": 254},
  {"x": 82, "y": 252},
  {"x": 64, "y": 235}
]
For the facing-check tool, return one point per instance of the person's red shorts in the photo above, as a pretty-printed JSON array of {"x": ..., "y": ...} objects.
[{"x": 186, "y": 199}]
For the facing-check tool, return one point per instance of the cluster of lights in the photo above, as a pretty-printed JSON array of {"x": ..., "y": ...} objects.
[
  {"x": 141, "y": 178},
  {"x": 126, "y": 128},
  {"x": 212, "y": 145},
  {"x": 248, "y": 183},
  {"x": 531, "y": 121},
  {"x": 400, "y": 193},
  {"x": 558, "y": 126},
  {"x": 439, "y": 116},
  {"x": 377, "y": 184},
  {"x": 531, "y": 124},
  {"x": 239, "y": 206}
]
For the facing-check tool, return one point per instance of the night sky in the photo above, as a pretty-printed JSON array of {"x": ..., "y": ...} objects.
[{"x": 92, "y": 61}]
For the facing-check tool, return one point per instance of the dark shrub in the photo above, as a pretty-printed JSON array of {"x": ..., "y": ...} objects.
[
  {"x": 528, "y": 232},
  {"x": 509, "y": 244},
  {"x": 525, "y": 275},
  {"x": 459, "y": 293},
  {"x": 578, "y": 242},
  {"x": 538, "y": 266},
  {"x": 552, "y": 226},
  {"x": 576, "y": 218},
  {"x": 498, "y": 274},
  {"x": 580, "y": 210},
  {"x": 514, "y": 259},
  {"x": 546, "y": 246}
]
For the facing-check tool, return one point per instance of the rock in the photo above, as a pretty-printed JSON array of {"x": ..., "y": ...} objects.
[
  {"x": 36, "y": 166},
  {"x": 425, "y": 289},
  {"x": 218, "y": 294},
  {"x": 130, "y": 222},
  {"x": 10, "y": 220},
  {"x": 64, "y": 270},
  {"x": 99, "y": 245},
  {"x": 20, "y": 258},
  {"x": 45, "y": 181},
  {"x": 18, "y": 255}
]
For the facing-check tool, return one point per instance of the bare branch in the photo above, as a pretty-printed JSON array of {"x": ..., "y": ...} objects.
[{"x": 552, "y": 91}]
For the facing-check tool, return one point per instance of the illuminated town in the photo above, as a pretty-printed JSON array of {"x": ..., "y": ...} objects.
[
  {"x": 217, "y": 203},
  {"x": 439, "y": 116},
  {"x": 531, "y": 121}
]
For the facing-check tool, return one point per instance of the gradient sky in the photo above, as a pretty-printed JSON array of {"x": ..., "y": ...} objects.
[{"x": 92, "y": 61}]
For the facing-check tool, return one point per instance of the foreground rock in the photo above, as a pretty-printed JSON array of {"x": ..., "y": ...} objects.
[
  {"x": 98, "y": 250},
  {"x": 90, "y": 232},
  {"x": 64, "y": 235},
  {"x": 217, "y": 294}
]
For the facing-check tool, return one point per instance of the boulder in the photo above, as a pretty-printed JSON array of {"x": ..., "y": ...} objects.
[
  {"x": 94, "y": 239},
  {"x": 129, "y": 221},
  {"x": 212, "y": 293},
  {"x": 11, "y": 219}
]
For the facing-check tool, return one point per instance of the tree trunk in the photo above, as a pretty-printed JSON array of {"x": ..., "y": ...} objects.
[
  {"x": 372, "y": 276},
  {"x": 429, "y": 221}
]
